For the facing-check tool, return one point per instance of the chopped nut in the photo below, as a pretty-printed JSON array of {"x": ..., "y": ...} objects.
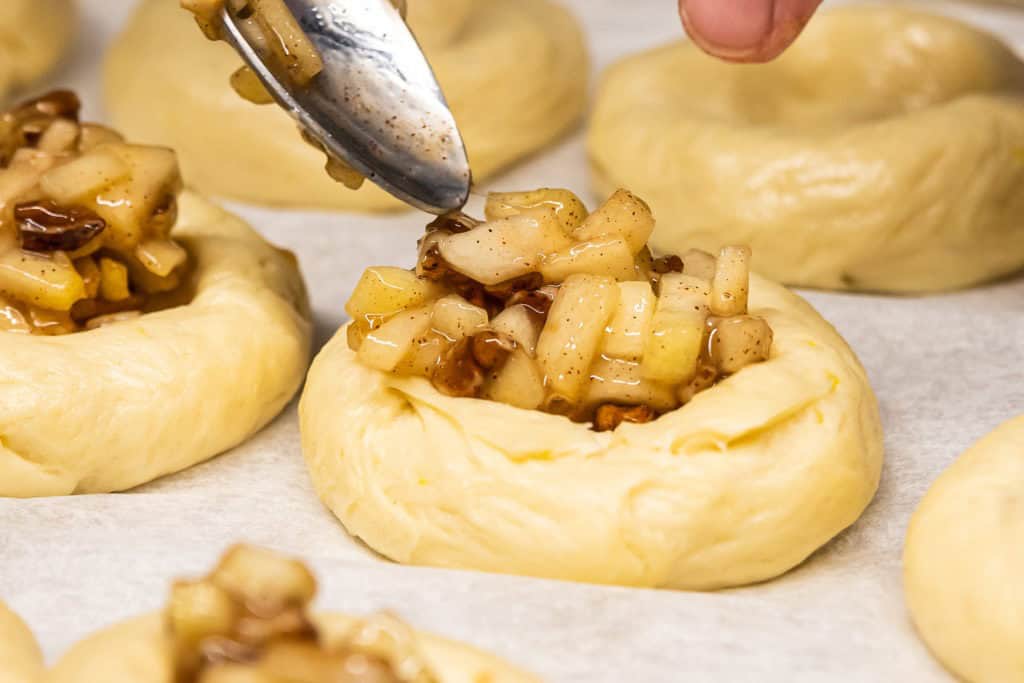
[
  {"x": 458, "y": 373},
  {"x": 609, "y": 417},
  {"x": 44, "y": 225},
  {"x": 453, "y": 222},
  {"x": 491, "y": 349},
  {"x": 509, "y": 288},
  {"x": 538, "y": 300}
]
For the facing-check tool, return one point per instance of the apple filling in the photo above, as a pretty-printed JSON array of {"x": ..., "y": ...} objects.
[
  {"x": 544, "y": 306},
  {"x": 249, "y": 622},
  {"x": 85, "y": 221}
]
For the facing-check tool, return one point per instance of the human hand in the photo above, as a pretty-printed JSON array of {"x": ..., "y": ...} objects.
[{"x": 745, "y": 30}]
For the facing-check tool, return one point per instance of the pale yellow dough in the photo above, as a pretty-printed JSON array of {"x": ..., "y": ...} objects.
[
  {"x": 137, "y": 651},
  {"x": 738, "y": 486},
  {"x": 20, "y": 658},
  {"x": 34, "y": 35},
  {"x": 112, "y": 408},
  {"x": 884, "y": 151},
  {"x": 964, "y": 561},
  {"x": 513, "y": 71}
]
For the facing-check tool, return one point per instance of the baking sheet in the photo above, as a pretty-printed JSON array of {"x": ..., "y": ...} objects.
[{"x": 947, "y": 369}]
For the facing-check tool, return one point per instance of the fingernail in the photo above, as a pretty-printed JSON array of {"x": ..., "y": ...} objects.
[{"x": 729, "y": 28}]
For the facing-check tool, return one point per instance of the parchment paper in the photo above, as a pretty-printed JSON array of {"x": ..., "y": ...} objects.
[{"x": 947, "y": 369}]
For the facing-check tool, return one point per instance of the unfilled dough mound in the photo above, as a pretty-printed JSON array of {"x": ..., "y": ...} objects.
[
  {"x": 20, "y": 658},
  {"x": 115, "y": 407},
  {"x": 34, "y": 34},
  {"x": 739, "y": 485},
  {"x": 884, "y": 151},
  {"x": 137, "y": 651},
  {"x": 513, "y": 71},
  {"x": 964, "y": 561}
]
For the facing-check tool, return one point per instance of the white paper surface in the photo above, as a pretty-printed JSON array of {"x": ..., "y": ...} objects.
[{"x": 947, "y": 369}]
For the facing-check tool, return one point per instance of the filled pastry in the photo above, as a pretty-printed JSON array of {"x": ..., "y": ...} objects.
[
  {"x": 896, "y": 168},
  {"x": 964, "y": 559},
  {"x": 513, "y": 72},
  {"x": 20, "y": 658},
  {"x": 541, "y": 396},
  {"x": 249, "y": 621},
  {"x": 142, "y": 329},
  {"x": 34, "y": 34}
]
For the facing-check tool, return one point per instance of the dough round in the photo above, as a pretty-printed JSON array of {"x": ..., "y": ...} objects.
[
  {"x": 34, "y": 34},
  {"x": 20, "y": 658},
  {"x": 739, "y": 485},
  {"x": 136, "y": 651},
  {"x": 513, "y": 71},
  {"x": 112, "y": 408},
  {"x": 897, "y": 168},
  {"x": 964, "y": 560}
]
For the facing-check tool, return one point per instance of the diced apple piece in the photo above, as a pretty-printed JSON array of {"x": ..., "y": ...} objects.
[
  {"x": 383, "y": 291},
  {"x": 113, "y": 280},
  {"x": 699, "y": 264},
  {"x": 618, "y": 381},
  {"x": 521, "y": 325},
  {"x": 90, "y": 273},
  {"x": 575, "y": 325},
  {"x": 626, "y": 333},
  {"x": 425, "y": 355},
  {"x": 739, "y": 341},
  {"x": 608, "y": 257},
  {"x": 60, "y": 136},
  {"x": 731, "y": 282},
  {"x": 287, "y": 41},
  {"x": 93, "y": 135},
  {"x": 569, "y": 209},
  {"x": 519, "y": 382},
  {"x": 128, "y": 205},
  {"x": 623, "y": 215},
  {"x": 160, "y": 257},
  {"x": 503, "y": 249},
  {"x": 40, "y": 280},
  {"x": 84, "y": 176},
  {"x": 263, "y": 576},
  {"x": 456, "y": 318},
  {"x": 12, "y": 319},
  {"x": 48, "y": 322},
  {"x": 385, "y": 347},
  {"x": 673, "y": 346},
  {"x": 682, "y": 292}
]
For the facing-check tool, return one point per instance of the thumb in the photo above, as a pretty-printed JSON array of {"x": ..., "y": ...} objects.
[{"x": 745, "y": 30}]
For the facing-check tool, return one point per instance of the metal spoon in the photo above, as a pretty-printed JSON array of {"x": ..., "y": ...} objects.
[{"x": 376, "y": 105}]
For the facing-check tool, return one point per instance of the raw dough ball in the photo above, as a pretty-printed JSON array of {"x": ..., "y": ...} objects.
[
  {"x": 895, "y": 168},
  {"x": 739, "y": 485},
  {"x": 964, "y": 561},
  {"x": 34, "y": 34},
  {"x": 115, "y": 407},
  {"x": 137, "y": 651},
  {"x": 20, "y": 658},
  {"x": 513, "y": 71}
]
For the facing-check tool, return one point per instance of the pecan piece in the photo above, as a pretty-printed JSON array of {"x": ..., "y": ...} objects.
[
  {"x": 538, "y": 300},
  {"x": 490, "y": 349},
  {"x": 610, "y": 416},
  {"x": 453, "y": 222},
  {"x": 45, "y": 225},
  {"x": 458, "y": 373}
]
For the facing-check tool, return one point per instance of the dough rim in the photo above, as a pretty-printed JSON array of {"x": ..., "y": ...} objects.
[
  {"x": 959, "y": 566},
  {"x": 232, "y": 148},
  {"x": 112, "y": 408},
  {"x": 21, "y": 660},
  {"x": 144, "y": 655},
  {"x": 716, "y": 181},
  {"x": 470, "y": 484}
]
